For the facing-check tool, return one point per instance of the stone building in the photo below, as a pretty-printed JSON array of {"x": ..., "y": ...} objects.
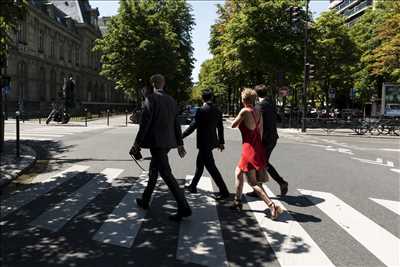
[{"x": 54, "y": 41}]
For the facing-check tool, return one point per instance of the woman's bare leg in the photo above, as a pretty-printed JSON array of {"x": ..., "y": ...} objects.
[
  {"x": 239, "y": 183},
  {"x": 252, "y": 181}
]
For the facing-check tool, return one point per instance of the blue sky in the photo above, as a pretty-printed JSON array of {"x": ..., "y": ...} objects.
[{"x": 205, "y": 15}]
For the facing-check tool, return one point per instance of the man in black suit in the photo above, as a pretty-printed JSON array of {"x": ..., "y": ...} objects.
[
  {"x": 270, "y": 135},
  {"x": 160, "y": 131},
  {"x": 207, "y": 121}
]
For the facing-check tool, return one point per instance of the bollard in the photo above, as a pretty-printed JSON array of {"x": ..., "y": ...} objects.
[
  {"x": 108, "y": 117},
  {"x": 85, "y": 117},
  {"x": 126, "y": 117},
  {"x": 17, "y": 114}
]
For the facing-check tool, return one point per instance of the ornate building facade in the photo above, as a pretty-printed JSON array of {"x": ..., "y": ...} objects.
[{"x": 54, "y": 41}]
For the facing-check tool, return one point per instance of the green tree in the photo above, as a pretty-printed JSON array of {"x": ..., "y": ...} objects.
[
  {"x": 11, "y": 12},
  {"x": 376, "y": 34},
  {"x": 147, "y": 37},
  {"x": 334, "y": 55}
]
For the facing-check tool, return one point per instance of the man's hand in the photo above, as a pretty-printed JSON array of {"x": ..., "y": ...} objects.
[
  {"x": 221, "y": 147},
  {"x": 181, "y": 151},
  {"x": 134, "y": 149}
]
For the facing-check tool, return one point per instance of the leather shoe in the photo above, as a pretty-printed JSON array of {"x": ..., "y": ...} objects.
[
  {"x": 222, "y": 196},
  {"x": 284, "y": 188},
  {"x": 177, "y": 217},
  {"x": 191, "y": 189},
  {"x": 141, "y": 204}
]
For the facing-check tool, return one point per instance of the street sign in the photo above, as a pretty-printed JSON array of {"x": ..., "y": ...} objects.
[{"x": 332, "y": 93}]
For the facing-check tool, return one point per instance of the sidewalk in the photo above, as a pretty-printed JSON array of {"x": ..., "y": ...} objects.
[
  {"x": 335, "y": 132},
  {"x": 10, "y": 166}
]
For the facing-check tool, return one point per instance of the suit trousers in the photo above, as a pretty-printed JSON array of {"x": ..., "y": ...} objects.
[
  {"x": 271, "y": 170},
  {"x": 159, "y": 164},
  {"x": 205, "y": 158}
]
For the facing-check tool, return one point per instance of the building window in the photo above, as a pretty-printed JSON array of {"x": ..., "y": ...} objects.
[
  {"x": 70, "y": 49},
  {"x": 61, "y": 49},
  {"x": 21, "y": 32},
  {"x": 52, "y": 47},
  {"x": 77, "y": 55},
  {"x": 41, "y": 40}
]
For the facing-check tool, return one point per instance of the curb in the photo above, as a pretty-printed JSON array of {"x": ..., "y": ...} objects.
[{"x": 27, "y": 161}]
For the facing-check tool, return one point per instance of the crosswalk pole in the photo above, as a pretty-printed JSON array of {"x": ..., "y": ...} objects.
[
  {"x": 85, "y": 117},
  {"x": 108, "y": 117},
  {"x": 17, "y": 114},
  {"x": 126, "y": 117}
]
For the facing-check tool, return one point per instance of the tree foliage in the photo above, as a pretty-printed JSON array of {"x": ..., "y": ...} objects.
[
  {"x": 10, "y": 13},
  {"x": 334, "y": 55},
  {"x": 147, "y": 37}
]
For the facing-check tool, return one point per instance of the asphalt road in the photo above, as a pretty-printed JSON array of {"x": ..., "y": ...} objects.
[{"x": 76, "y": 207}]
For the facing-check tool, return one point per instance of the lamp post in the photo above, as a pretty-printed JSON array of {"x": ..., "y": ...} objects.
[{"x": 305, "y": 81}]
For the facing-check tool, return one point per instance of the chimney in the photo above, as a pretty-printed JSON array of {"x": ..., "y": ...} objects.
[{"x": 50, "y": 10}]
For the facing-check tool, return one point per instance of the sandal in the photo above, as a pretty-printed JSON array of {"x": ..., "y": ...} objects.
[
  {"x": 237, "y": 204},
  {"x": 276, "y": 211}
]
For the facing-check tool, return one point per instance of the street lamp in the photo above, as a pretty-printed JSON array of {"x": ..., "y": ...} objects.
[{"x": 305, "y": 81}]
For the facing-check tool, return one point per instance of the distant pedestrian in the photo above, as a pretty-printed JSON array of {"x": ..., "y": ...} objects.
[
  {"x": 159, "y": 131},
  {"x": 207, "y": 121},
  {"x": 253, "y": 161},
  {"x": 270, "y": 135}
]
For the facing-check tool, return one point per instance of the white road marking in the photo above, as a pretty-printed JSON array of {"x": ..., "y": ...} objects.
[
  {"x": 56, "y": 217},
  {"x": 389, "y": 204},
  {"x": 377, "y": 162},
  {"x": 381, "y": 243},
  {"x": 200, "y": 237},
  {"x": 35, "y": 134},
  {"x": 395, "y": 170},
  {"x": 123, "y": 224},
  {"x": 292, "y": 237},
  {"x": 28, "y": 138},
  {"x": 390, "y": 163},
  {"x": 21, "y": 198}
]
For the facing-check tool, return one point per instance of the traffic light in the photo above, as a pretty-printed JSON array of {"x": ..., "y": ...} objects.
[{"x": 310, "y": 71}]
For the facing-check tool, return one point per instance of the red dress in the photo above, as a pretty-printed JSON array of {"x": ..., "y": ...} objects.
[{"x": 253, "y": 152}]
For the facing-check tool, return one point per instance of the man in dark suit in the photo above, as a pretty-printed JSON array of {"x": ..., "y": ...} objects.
[
  {"x": 270, "y": 135},
  {"x": 207, "y": 121},
  {"x": 159, "y": 131}
]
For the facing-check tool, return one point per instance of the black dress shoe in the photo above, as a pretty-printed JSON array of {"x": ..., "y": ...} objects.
[
  {"x": 141, "y": 204},
  {"x": 284, "y": 188},
  {"x": 177, "y": 217},
  {"x": 222, "y": 196},
  {"x": 191, "y": 189}
]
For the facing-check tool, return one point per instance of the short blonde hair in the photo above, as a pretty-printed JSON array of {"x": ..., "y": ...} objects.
[{"x": 249, "y": 96}]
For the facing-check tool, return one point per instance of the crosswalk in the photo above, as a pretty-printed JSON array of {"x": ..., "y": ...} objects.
[
  {"x": 200, "y": 239},
  {"x": 48, "y": 132}
]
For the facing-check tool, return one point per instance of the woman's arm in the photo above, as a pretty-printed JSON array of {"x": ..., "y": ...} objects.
[
  {"x": 261, "y": 126},
  {"x": 238, "y": 119}
]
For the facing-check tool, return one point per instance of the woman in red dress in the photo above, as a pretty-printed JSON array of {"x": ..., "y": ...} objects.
[{"x": 252, "y": 162}]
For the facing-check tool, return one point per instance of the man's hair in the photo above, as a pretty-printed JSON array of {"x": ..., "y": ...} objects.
[
  {"x": 207, "y": 95},
  {"x": 262, "y": 90},
  {"x": 249, "y": 96},
  {"x": 157, "y": 80}
]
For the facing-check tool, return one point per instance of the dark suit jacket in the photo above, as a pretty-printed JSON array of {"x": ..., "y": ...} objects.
[
  {"x": 270, "y": 133},
  {"x": 159, "y": 127},
  {"x": 207, "y": 121}
]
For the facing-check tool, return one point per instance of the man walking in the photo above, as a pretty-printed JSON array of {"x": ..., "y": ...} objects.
[
  {"x": 207, "y": 121},
  {"x": 159, "y": 131},
  {"x": 270, "y": 135}
]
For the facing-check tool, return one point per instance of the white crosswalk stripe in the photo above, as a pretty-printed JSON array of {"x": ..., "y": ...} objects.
[
  {"x": 295, "y": 237},
  {"x": 381, "y": 243},
  {"x": 56, "y": 217},
  {"x": 200, "y": 237},
  {"x": 21, "y": 198},
  {"x": 46, "y": 133},
  {"x": 389, "y": 204},
  {"x": 123, "y": 224}
]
